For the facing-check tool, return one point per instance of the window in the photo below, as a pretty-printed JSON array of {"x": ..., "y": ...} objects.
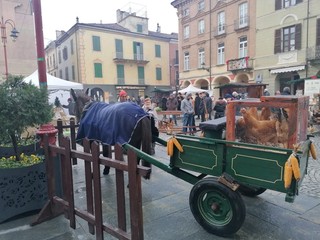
[
  {"x": 47, "y": 62},
  {"x": 201, "y": 26},
  {"x": 221, "y": 23},
  {"x": 59, "y": 56},
  {"x": 65, "y": 53},
  {"x": 186, "y": 61},
  {"x": 139, "y": 28},
  {"x": 220, "y": 59},
  {"x": 279, "y": 4},
  {"x": 96, "y": 43},
  {"x": 158, "y": 74},
  {"x": 98, "y": 70},
  {"x": 73, "y": 72},
  {"x": 60, "y": 74},
  {"x": 287, "y": 39},
  {"x": 54, "y": 60},
  {"x": 71, "y": 47},
  {"x": 138, "y": 50},
  {"x": 318, "y": 33},
  {"x": 243, "y": 15},
  {"x": 201, "y": 5},
  {"x": 158, "y": 51},
  {"x": 201, "y": 57},
  {"x": 67, "y": 73},
  {"x": 243, "y": 47},
  {"x": 119, "y": 48},
  {"x": 185, "y": 12},
  {"x": 186, "y": 32},
  {"x": 141, "y": 75},
  {"x": 120, "y": 74}
]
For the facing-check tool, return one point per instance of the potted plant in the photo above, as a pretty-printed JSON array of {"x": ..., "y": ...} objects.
[{"x": 23, "y": 183}]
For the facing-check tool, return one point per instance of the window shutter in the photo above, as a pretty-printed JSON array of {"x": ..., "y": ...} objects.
[
  {"x": 278, "y": 4},
  {"x": 277, "y": 41},
  {"x": 318, "y": 33},
  {"x": 298, "y": 37}
]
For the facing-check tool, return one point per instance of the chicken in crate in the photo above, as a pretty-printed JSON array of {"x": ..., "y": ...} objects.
[{"x": 277, "y": 121}]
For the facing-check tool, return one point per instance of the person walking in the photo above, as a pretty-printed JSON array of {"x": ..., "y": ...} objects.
[
  {"x": 187, "y": 112},
  {"x": 172, "y": 105},
  {"x": 197, "y": 101}
]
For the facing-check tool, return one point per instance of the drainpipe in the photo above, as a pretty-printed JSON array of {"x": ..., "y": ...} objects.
[{"x": 307, "y": 40}]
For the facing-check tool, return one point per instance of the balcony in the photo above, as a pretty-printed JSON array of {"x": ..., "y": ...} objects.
[
  {"x": 220, "y": 31},
  {"x": 240, "y": 64},
  {"x": 313, "y": 54},
  {"x": 136, "y": 58},
  {"x": 241, "y": 24}
]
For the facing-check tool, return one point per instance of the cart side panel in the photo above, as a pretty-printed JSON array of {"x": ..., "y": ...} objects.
[
  {"x": 199, "y": 156},
  {"x": 257, "y": 166}
]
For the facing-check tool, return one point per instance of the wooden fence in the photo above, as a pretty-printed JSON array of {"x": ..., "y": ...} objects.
[{"x": 92, "y": 213}]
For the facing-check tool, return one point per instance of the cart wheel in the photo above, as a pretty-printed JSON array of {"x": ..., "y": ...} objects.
[
  {"x": 250, "y": 191},
  {"x": 217, "y": 208}
]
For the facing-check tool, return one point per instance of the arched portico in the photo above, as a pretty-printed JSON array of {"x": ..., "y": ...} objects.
[{"x": 242, "y": 77}]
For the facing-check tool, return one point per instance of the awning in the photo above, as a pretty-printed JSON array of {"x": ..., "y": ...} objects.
[{"x": 287, "y": 69}]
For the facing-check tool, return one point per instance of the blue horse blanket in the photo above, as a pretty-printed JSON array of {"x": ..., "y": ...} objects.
[{"x": 110, "y": 123}]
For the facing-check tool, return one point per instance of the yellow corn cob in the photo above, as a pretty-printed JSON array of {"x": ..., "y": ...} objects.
[
  {"x": 295, "y": 166},
  {"x": 313, "y": 151},
  {"x": 287, "y": 174},
  {"x": 177, "y": 144},
  {"x": 170, "y": 147}
]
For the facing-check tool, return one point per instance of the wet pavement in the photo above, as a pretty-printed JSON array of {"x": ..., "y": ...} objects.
[{"x": 167, "y": 215}]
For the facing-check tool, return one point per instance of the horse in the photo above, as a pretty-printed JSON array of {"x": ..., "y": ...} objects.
[{"x": 110, "y": 124}]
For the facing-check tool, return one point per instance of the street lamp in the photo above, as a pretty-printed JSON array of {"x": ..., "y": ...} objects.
[{"x": 13, "y": 35}]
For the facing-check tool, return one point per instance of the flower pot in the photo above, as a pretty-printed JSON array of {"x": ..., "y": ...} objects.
[{"x": 22, "y": 190}]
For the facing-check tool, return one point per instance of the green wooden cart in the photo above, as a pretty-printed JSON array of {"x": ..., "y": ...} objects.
[{"x": 221, "y": 171}]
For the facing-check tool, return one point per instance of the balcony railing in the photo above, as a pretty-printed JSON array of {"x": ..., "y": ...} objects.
[
  {"x": 243, "y": 64},
  {"x": 135, "y": 58},
  {"x": 119, "y": 55},
  {"x": 220, "y": 31},
  {"x": 241, "y": 23},
  {"x": 313, "y": 53}
]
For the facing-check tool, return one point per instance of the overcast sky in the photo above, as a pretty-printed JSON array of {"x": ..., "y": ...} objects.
[{"x": 61, "y": 14}]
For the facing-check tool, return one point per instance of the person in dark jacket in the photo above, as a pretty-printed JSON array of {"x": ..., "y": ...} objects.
[
  {"x": 70, "y": 106},
  {"x": 286, "y": 91},
  {"x": 220, "y": 107},
  {"x": 197, "y": 101},
  {"x": 172, "y": 105}
]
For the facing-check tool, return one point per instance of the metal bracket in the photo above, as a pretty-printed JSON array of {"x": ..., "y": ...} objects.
[{"x": 228, "y": 181}]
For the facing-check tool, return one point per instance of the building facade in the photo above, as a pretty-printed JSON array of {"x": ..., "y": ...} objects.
[
  {"x": 21, "y": 53},
  {"x": 288, "y": 43},
  {"x": 110, "y": 57},
  {"x": 216, "y": 42},
  {"x": 274, "y": 42}
]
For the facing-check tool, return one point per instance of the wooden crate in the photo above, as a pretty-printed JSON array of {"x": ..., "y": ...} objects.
[{"x": 288, "y": 131}]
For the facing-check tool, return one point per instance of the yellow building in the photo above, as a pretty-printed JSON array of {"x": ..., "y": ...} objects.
[
  {"x": 21, "y": 54},
  {"x": 216, "y": 42},
  {"x": 110, "y": 57}
]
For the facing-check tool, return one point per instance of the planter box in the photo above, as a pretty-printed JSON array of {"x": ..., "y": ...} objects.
[
  {"x": 22, "y": 190},
  {"x": 28, "y": 149}
]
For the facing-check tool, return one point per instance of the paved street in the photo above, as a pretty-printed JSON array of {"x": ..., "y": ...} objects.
[{"x": 167, "y": 215}]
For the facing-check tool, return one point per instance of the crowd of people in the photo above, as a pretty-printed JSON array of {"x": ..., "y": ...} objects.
[{"x": 199, "y": 106}]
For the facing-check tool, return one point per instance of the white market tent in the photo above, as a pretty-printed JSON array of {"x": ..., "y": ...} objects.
[
  {"x": 53, "y": 82},
  {"x": 192, "y": 89},
  {"x": 57, "y": 87}
]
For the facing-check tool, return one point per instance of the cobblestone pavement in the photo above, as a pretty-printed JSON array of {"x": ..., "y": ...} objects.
[{"x": 311, "y": 183}]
